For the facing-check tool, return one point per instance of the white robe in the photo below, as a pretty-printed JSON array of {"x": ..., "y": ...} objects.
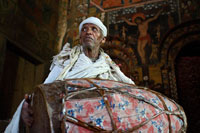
[{"x": 73, "y": 63}]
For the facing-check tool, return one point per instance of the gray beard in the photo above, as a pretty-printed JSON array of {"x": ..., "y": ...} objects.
[{"x": 88, "y": 46}]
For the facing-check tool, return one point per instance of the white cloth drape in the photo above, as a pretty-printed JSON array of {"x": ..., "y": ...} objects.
[{"x": 13, "y": 126}]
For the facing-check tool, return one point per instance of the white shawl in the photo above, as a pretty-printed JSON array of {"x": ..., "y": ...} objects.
[{"x": 80, "y": 66}]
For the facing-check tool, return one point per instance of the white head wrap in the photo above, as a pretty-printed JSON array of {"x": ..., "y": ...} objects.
[{"x": 96, "y": 21}]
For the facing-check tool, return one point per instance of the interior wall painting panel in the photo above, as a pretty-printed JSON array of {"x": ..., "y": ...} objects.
[
  {"x": 189, "y": 9},
  {"x": 135, "y": 46}
]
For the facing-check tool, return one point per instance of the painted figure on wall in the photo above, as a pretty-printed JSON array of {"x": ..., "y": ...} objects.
[
  {"x": 144, "y": 37},
  {"x": 123, "y": 32}
]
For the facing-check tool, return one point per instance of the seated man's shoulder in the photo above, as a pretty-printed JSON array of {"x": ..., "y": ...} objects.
[{"x": 62, "y": 56}]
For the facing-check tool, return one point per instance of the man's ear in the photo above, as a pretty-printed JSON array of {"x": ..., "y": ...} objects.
[{"x": 103, "y": 40}]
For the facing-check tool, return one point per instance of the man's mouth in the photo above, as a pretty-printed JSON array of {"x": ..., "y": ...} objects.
[{"x": 88, "y": 38}]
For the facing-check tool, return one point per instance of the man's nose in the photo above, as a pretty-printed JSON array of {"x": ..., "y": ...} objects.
[{"x": 89, "y": 31}]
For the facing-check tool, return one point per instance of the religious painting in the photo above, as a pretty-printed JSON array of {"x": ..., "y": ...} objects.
[{"x": 142, "y": 28}]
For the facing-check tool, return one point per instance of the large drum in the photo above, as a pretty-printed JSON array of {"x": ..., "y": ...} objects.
[{"x": 92, "y": 105}]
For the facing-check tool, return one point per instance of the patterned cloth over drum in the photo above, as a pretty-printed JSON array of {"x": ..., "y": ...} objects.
[{"x": 91, "y": 105}]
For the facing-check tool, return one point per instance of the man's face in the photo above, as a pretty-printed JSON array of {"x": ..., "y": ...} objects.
[{"x": 91, "y": 36}]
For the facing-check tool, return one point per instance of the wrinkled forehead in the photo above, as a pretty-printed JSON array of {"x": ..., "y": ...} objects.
[{"x": 91, "y": 25}]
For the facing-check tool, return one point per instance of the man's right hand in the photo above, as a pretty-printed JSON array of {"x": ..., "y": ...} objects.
[{"x": 27, "y": 112}]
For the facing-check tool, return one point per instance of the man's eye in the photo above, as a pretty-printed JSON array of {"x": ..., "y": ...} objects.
[
  {"x": 84, "y": 29},
  {"x": 94, "y": 29}
]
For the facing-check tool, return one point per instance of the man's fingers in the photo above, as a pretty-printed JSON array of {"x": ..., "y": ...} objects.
[
  {"x": 27, "y": 98},
  {"x": 27, "y": 114},
  {"x": 27, "y": 108}
]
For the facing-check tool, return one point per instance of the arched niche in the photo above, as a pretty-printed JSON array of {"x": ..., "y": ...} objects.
[
  {"x": 187, "y": 72},
  {"x": 124, "y": 56},
  {"x": 177, "y": 38}
]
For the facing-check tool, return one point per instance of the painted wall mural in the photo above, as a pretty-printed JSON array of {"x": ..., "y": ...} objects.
[
  {"x": 139, "y": 29},
  {"x": 189, "y": 9},
  {"x": 77, "y": 11},
  {"x": 111, "y": 5},
  {"x": 143, "y": 27}
]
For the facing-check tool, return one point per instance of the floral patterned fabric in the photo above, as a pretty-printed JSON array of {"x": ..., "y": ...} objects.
[{"x": 132, "y": 108}]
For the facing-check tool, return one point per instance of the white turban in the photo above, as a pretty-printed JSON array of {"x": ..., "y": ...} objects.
[{"x": 96, "y": 21}]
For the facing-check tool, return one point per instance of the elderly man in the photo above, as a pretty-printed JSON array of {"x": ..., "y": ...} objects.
[{"x": 83, "y": 61}]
